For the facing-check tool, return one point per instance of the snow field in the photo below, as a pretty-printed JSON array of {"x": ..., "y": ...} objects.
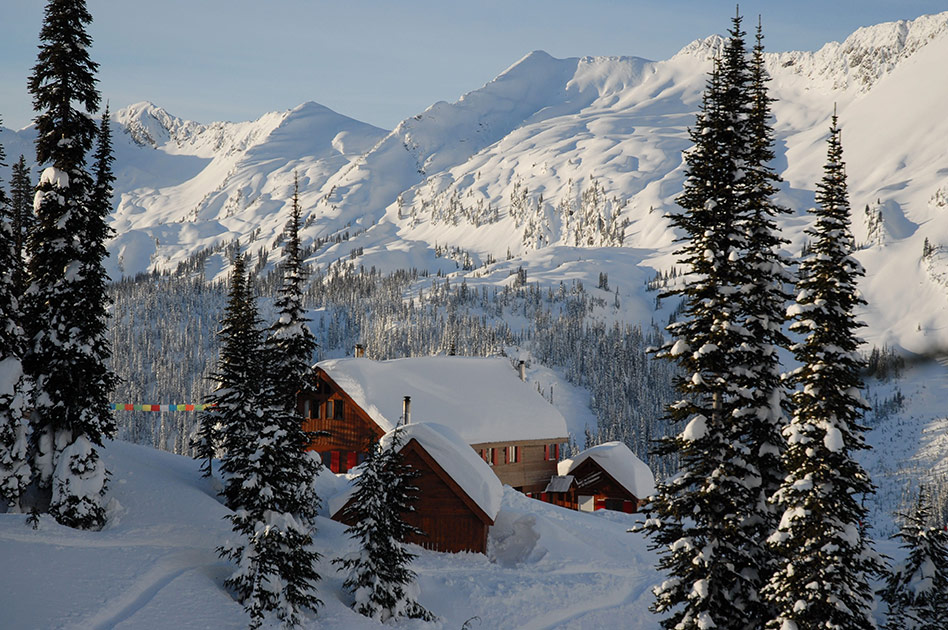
[{"x": 155, "y": 565}]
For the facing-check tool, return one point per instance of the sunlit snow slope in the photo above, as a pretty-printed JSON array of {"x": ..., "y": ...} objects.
[{"x": 552, "y": 165}]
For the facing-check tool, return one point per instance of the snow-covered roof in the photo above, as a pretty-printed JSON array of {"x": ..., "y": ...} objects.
[
  {"x": 457, "y": 459},
  {"x": 620, "y": 462},
  {"x": 482, "y": 399}
]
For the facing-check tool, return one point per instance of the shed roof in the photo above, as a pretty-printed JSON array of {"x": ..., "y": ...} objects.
[
  {"x": 620, "y": 462},
  {"x": 560, "y": 483},
  {"x": 481, "y": 399}
]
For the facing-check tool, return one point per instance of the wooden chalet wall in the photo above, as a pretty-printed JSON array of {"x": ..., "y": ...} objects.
[
  {"x": 534, "y": 466},
  {"x": 452, "y": 521},
  {"x": 347, "y": 434}
]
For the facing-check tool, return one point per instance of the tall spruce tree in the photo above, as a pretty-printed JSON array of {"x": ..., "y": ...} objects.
[
  {"x": 14, "y": 429},
  {"x": 268, "y": 476},
  {"x": 826, "y": 557},
  {"x": 22, "y": 217},
  {"x": 229, "y": 410},
  {"x": 760, "y": 415},
  {"x": 67, "y": 347},
  {"x": 276, "y": 563},
  {"x": 917, "y": 590},
  {"x": 378, "y": 574},
  {"x": 290, "y": 338},
  {"x": 710, "y": 518}
]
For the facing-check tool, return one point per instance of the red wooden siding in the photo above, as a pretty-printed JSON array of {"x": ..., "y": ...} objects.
[
  {"x": 450, "y": 518},
  {"x": 348, "y": 429},
  {"x": 593, "y": 480}
]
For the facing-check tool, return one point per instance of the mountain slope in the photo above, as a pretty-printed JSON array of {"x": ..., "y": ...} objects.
[{"x": 548, "y": 160}]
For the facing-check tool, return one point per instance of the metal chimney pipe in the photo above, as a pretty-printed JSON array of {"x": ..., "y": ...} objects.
[
  {"x": 406, "y": 409},
  {"x": 523, "y": 371}
]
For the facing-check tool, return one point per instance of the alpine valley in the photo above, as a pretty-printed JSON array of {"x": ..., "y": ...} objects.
[{"x": 529, "y": 218}]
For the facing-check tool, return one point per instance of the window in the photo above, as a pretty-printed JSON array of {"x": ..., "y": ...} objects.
[
  {"x": 329, "y": 405},
  {"x": 490, "y": 456},
  {"x": 551, "y": 452},
  {"x": 337, "y": 410},
  {"x": 512, "y": 454}
]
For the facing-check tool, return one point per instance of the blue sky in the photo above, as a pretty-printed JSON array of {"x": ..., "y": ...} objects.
[{"x": 381, "y": 61}]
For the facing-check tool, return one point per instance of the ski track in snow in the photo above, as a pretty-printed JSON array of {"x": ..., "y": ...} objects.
[
  {"x": 143, "y": 591},
  {"x": 610, "y": 605}
]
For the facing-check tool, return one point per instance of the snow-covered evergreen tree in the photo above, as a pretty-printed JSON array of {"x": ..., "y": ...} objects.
[
  {"x": 273, "y": 521},
  {"x": 379, "y": 578},
  {"x": 290, "y": 339},
  {"x": 22, "y": 218},
  {"x": 14, "y": 429},
  {"x": 231, "y": 408},
  {"x": 826, "y": 557},
  {"x": 917, "y": 590},
  {"x": 268, "y": 476},
  {"x": 710, "y": 518},
  {"x": 66, "y": 304},
  {"x": 760, "y": 413}
]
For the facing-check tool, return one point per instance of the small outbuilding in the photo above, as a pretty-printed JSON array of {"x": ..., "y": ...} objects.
[
  {"x": 608, "y": 476},
  {"x": 458, "y": 494}
]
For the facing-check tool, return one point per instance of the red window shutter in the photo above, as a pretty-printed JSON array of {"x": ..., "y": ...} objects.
[
  {"x": 493, "y": 456},
  {"x": 334, "y": 462},
  {"x": 546, "y": 451},
  {"x": 556, "y": 452},
  {"x": 352, "y": 459},
  {"x": 483, "y": 455}
]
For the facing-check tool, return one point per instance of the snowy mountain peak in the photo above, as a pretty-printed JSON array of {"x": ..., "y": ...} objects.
[
  {"x": 149, "y": 124},
  {"x": 711, "y": 47}
]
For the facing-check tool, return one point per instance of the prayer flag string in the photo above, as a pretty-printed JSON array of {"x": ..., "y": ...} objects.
[{"x": 169, "y": 407}]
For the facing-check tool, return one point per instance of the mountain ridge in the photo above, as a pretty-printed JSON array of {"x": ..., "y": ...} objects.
[{"x": 583, "y": 152}]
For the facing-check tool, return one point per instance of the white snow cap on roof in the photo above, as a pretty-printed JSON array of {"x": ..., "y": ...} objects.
[
  {"x": 457, "y": 459},
  {"x": 619, "y": 461},
  {"x": 482, "y": 399}
]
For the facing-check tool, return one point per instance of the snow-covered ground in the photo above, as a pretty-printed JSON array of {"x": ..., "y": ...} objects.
[{"x": 154, "y": 566}]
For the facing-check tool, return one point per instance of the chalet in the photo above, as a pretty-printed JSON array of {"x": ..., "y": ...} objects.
[
  {"x": 458, "y": 497},
  {"x": 608, "y": 476},
  {"x": 514, "y": 430}
]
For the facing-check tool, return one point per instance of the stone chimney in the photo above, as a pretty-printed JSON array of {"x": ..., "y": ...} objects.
[
  {"x": 523, "y": 371},
  {"x": 406, "y": 410}
]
